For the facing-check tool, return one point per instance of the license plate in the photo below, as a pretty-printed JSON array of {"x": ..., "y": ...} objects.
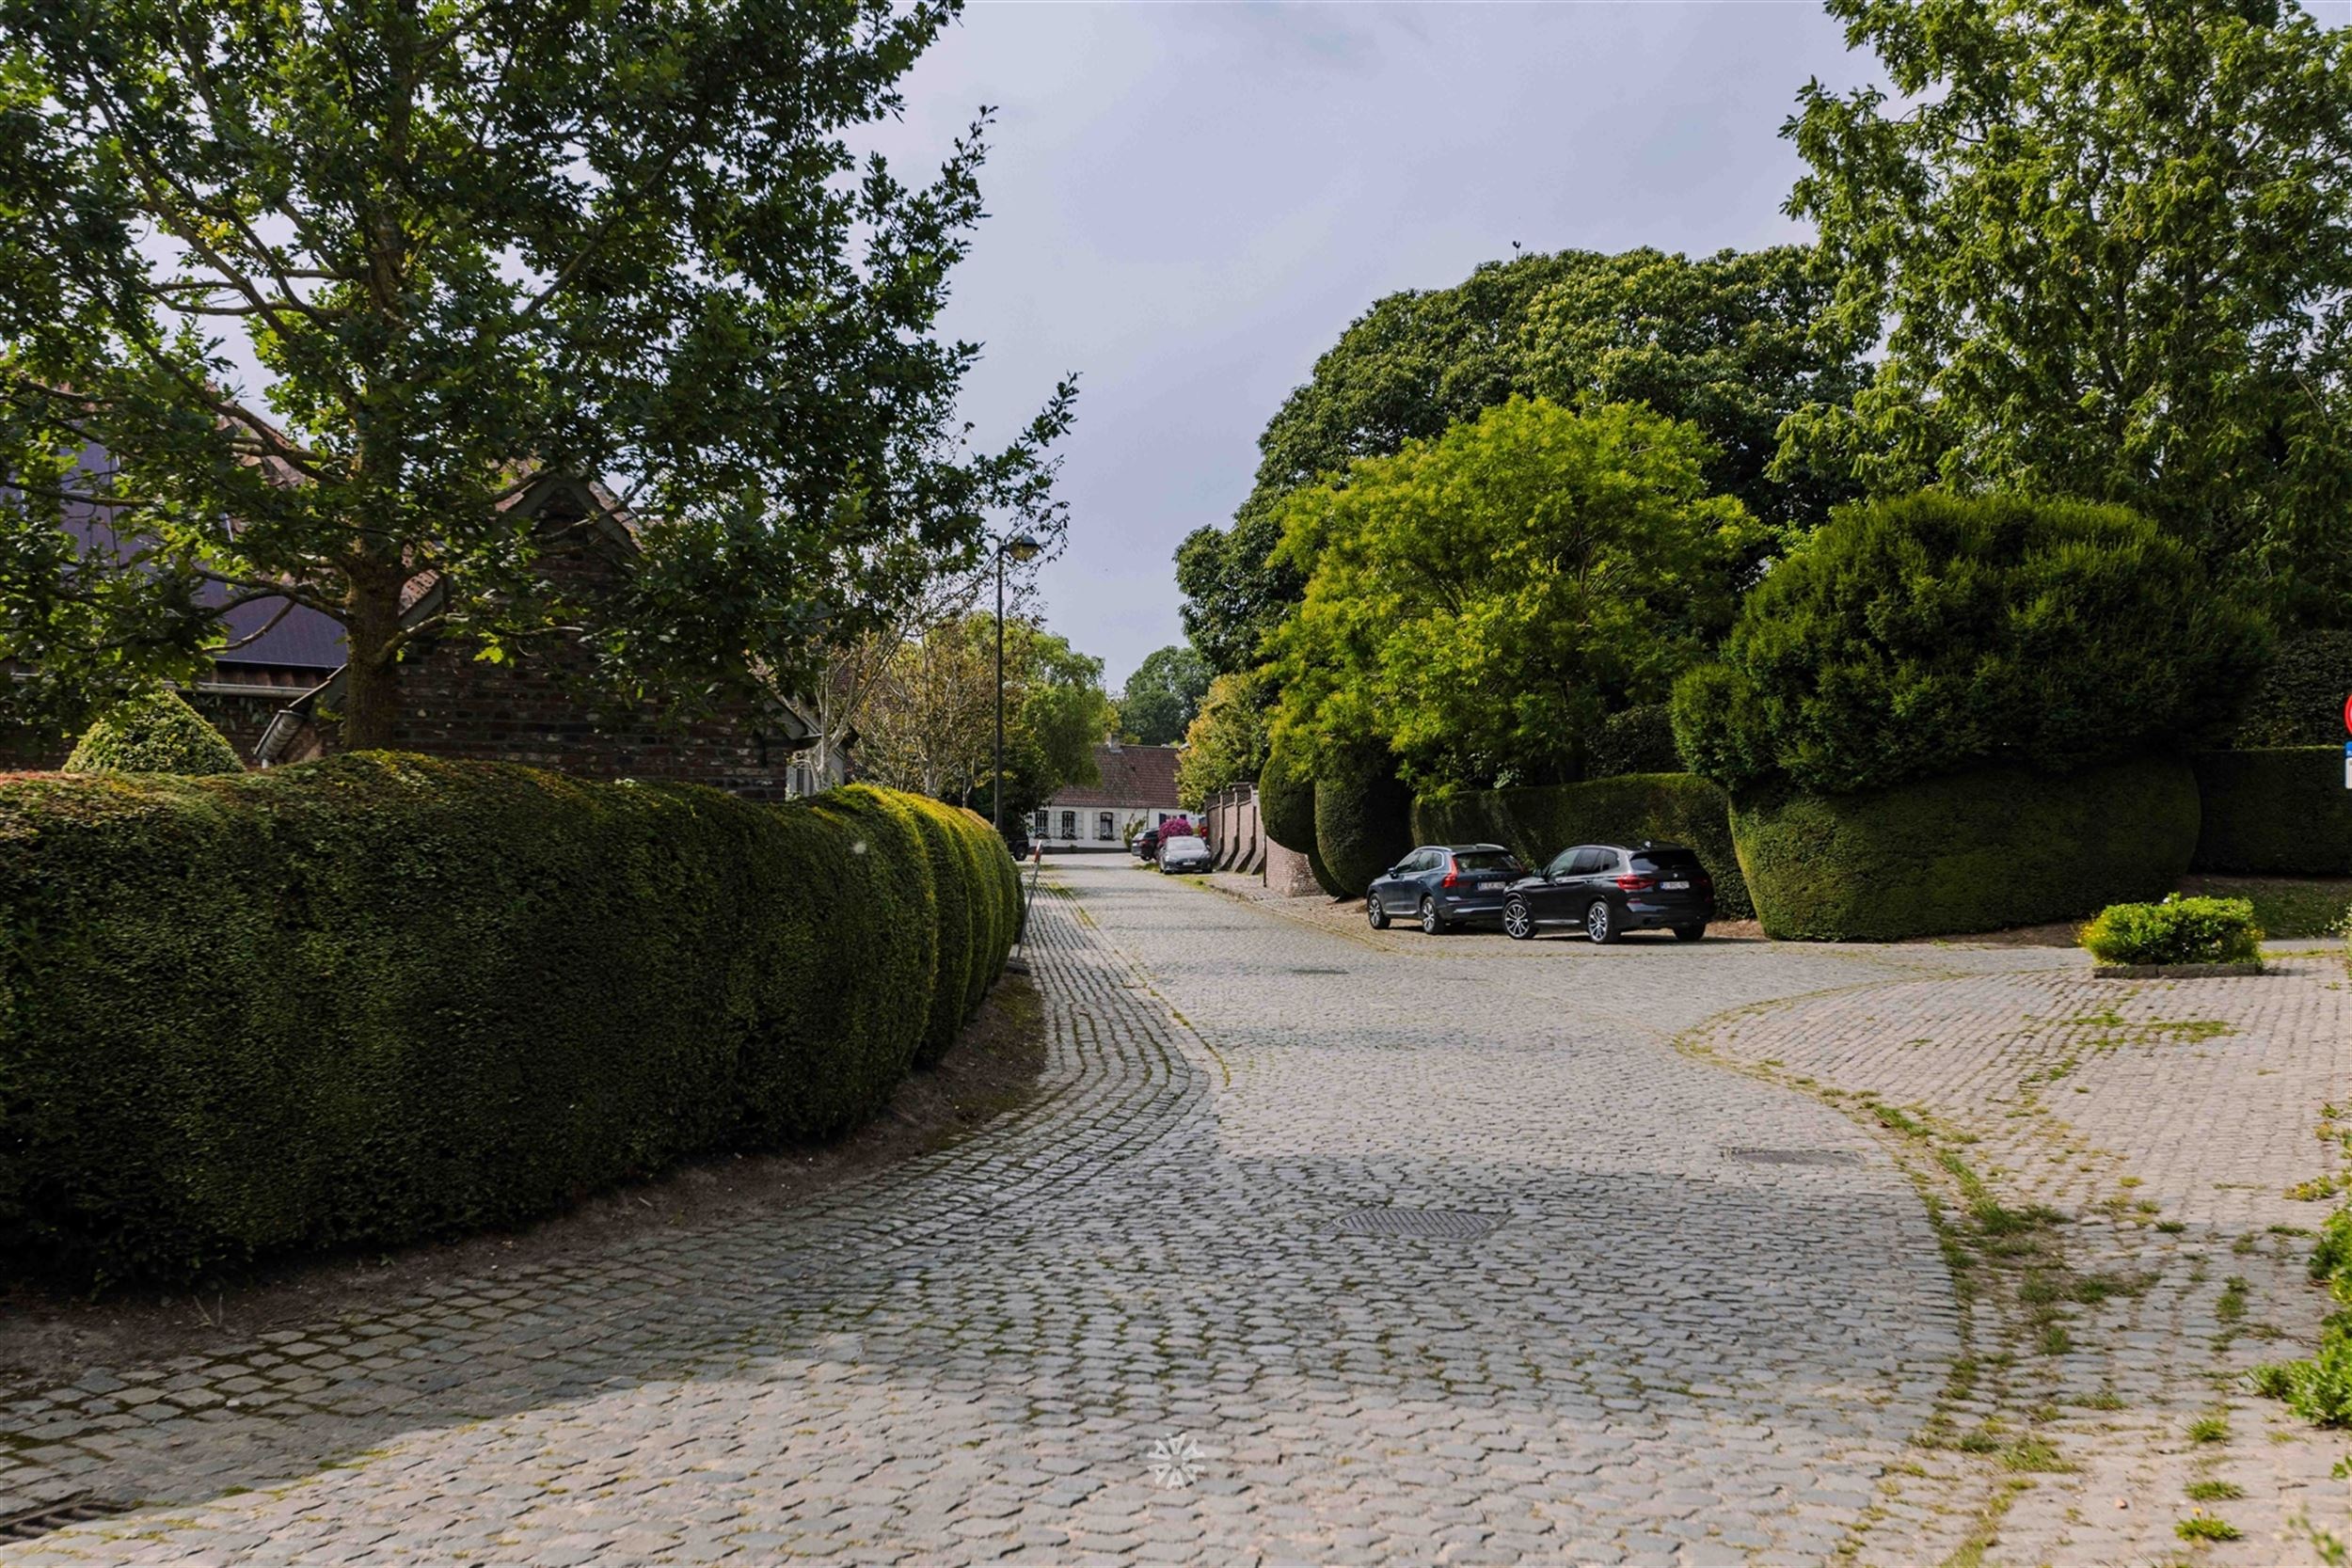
[
  {"x": 1676, "y": 887},
  {"x": 1488, "y": 887}
]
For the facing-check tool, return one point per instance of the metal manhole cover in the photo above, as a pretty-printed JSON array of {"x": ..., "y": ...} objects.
[
  {"x": 80, "y": 1509},
  {"x": 1459, "y": 1224},
  {"x": 1795, "y": 1156}
]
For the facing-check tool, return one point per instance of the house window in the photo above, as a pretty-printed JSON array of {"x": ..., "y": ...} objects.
[
  {"x": 1163, "y": 819},
  {"x": 1105, "y": 828},
  {"x": 1041, "y": 828},
  {"x": 1069, "y": 824}
]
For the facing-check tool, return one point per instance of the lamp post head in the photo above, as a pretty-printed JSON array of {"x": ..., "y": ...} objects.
[{"x": 1020, "y": 546}]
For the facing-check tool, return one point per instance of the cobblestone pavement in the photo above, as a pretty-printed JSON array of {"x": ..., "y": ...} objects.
[
  {"x": 1706, "y": 1318},
  {"x": 2164, "y": 1124}
]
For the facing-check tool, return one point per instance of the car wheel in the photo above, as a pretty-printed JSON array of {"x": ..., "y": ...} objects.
[
  {"x": 1599, "y": 923},
  {"x": 1376, "y": 913},
  {"x": 1518, "y": 921},
  {"x": 1689, "y": 933},
  {"x": 1431, "y": 921}
]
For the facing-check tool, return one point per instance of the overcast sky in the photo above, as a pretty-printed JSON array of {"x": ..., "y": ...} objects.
[{"x": 1188, "y": 202}]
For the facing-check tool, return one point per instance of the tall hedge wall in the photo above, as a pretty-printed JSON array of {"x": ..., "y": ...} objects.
[
  {"x": 383, "y": 997},
  {"x": 1967, "y": 852},
  {"x": 2282, "y": 811},
  {"x": 1539, "y": 822}
]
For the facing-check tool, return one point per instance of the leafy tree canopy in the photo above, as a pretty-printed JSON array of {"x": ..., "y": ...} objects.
[
  {"x": 1226, "y": 743},
  {"x": 929, "y": 725},
  {"x": 1720, "y": 341},
  {"x": 1163, "y": 695},
  {"x": 625, "y": 240},
  {"x": 1936, "y": 634},
  {"x": 2109, "y": 250},
  {"x": 1481, "y": 601}
]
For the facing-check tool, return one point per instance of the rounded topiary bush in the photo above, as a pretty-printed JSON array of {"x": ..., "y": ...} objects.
[
  {"x": 1286, "y": 801},
  {"x": 1363, "y": 819},
  {"x": 1972, "y": 852},
  {"x": 1936, "y": 634},
  {"x": 152, "y": 732}
]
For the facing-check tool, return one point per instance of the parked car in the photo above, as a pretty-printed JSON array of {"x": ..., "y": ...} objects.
[
  {"x": 1147, "y": 844},
  {"x": 1610, "y": 889},
  {"x": 1183, "y": 853},
  {"x": 1443, "y": 885}
]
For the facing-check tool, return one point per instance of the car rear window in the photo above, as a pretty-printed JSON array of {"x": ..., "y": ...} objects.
[
  {"x": 1486, "y": 860},
  {"x": 1665, "y": 859}
]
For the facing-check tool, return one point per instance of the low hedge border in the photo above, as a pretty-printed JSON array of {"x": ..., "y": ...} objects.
[
  {"x": 2279, "y": 809},
  {"x": 384, "y": 997},
  {"x": 1539, "y": 822},
  {"x": 1975, "y": 852}
]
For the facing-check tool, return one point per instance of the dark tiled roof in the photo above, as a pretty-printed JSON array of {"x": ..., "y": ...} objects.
[{"x": 1132, "y": 776}]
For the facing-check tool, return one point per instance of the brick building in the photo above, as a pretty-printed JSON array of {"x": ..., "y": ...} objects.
[{"x": 274, "y": 696}]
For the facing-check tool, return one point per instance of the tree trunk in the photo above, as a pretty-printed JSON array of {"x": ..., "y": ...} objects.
[{"x": 372, "y": 674}]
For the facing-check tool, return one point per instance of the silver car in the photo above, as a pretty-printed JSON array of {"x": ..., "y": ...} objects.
[{"x": 1185, "y": 855}]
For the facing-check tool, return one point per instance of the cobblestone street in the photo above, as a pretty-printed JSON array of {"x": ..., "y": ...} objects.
[{"x": 1686, "y": 1301}]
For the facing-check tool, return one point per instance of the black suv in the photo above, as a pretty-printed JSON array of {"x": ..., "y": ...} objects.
[
  {"x": 1443, "y": 885},
  {"x": 1610, "y": 889}
]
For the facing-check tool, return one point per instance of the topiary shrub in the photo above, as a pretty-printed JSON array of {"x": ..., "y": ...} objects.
[
  {"x": 2299, "y": 699},
  {"x": 2176, "y": 932},
  {"x": 1974, "y": 853},
  {"x": 1536, "y": 823},
  {"x": 2282, "y": 811},
  {"x": 153, "y": 732},
  {"x": 1286, "y": 801},
  {"x": 1937, "y": 634},
  {"x": 384, "y": 997},
  {"x": 1363, "y": 819}
]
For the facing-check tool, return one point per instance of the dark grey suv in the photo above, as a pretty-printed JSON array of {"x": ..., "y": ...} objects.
[
  {"x": 1443, "y": 885},
  {"x": 1610, "y": 889}
]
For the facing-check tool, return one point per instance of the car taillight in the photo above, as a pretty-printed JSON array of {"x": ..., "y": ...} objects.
[
  {"x": 1450, "y": 879},
  {"x": 1637, "y": 884}
]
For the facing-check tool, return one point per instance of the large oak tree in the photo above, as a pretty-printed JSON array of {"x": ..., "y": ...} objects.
[{"x": 463, "y": 242}]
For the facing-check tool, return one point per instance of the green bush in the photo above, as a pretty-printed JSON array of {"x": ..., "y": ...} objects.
[
  {"x": 153, "y": 732},
  {"x": 2319, "y": 1388},
  {"x": 2299, "y": 699},
  {"x": 1363, "y": 819},
  {"x": 2176, "y": 932},
  {"x": 1975, "y": 852},
  {"x": 1286, "y": 801},
  {"x": 1937, "y": 635},
  {"x": 1536, "y": 823},
  {"x": 387, "y": 997},
  {"x": 2284, "y": 810}
]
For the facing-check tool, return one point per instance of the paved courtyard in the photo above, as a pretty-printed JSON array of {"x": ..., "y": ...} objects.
[{"x": 1687, "y": 1303}]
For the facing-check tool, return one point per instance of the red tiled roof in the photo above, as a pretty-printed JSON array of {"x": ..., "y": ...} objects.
[{"x": 1132, "y": 776}]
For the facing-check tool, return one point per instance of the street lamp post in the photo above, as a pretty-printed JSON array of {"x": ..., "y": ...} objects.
[{"x": 1021, "y": 547}]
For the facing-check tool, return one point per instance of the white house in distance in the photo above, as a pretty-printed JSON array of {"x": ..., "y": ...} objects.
[{"x": 1138, "y": 787}]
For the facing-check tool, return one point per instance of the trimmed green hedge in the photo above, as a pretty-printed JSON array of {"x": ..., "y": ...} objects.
[
  {"x": 2279, "y": 810},
  {"x": 1971, "y": 852},
  {"x": 1363, "y": 819},
  {"x": 385, "y": 997},
  {"x": 1537, "y": 823},
  {"x": 2176, "y": 932},
  {"x": 153, "y": 732},
  {"x": 2299, "y": 699}
]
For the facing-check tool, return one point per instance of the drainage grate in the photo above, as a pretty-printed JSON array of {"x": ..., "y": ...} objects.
[
  {"x": 79, "y": 1508},
  {"x": 1310, "y": 969},
  {"x": 1795, "y": 1156},
  {"x": 1459, "y": 1225}
]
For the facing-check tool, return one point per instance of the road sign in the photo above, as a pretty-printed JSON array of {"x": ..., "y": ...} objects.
[{"x": 2348, "y": 765}]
